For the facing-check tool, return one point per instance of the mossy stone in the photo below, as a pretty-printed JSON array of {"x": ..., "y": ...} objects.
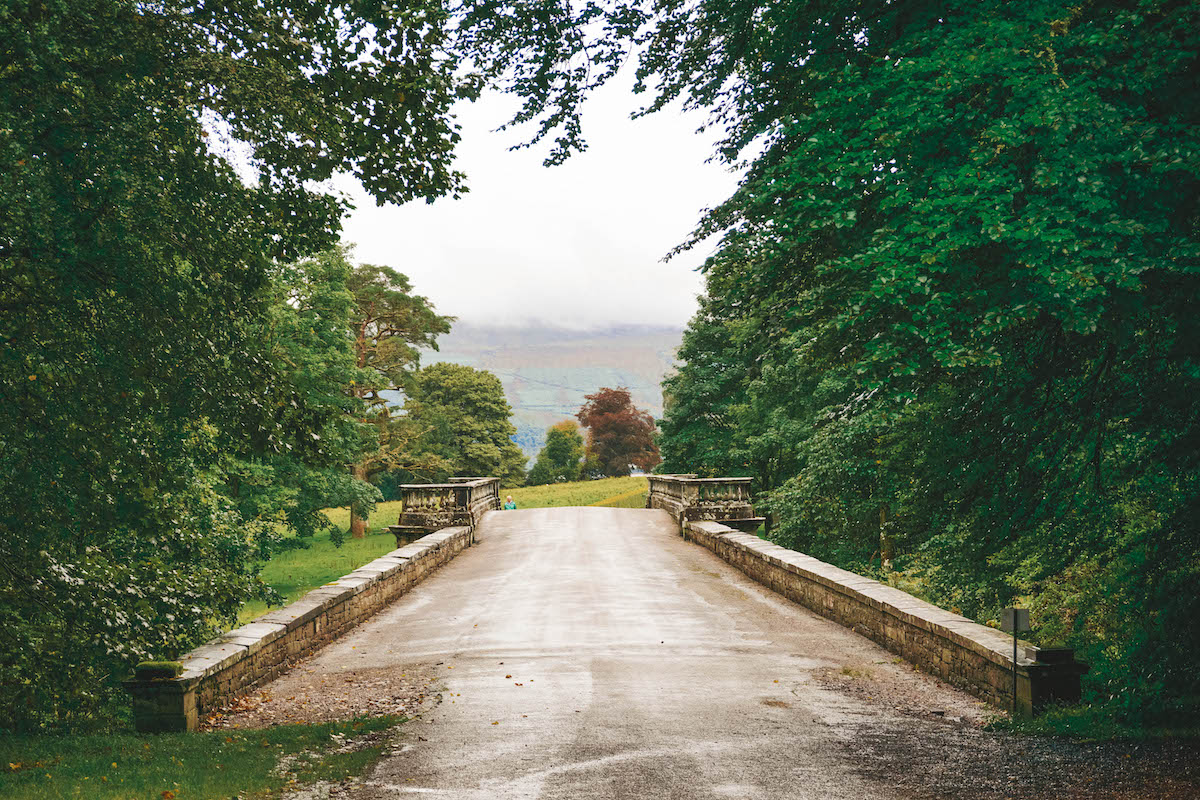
[{"x": 158, "y": 670}]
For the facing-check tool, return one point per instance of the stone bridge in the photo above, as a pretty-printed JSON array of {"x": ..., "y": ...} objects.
[{"x": 625, "y": 653}]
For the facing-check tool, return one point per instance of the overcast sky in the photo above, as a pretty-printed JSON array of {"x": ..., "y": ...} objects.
[{"x": 579, "y": 245}]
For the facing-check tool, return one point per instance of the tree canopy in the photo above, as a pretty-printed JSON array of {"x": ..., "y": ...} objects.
[
  {"x": 951, "y": 325},
  {"x": 620, "y": 434},
  {"x": 143, "y": 357},
  {"x": 465, "y": 420},
  {"x": 561, "y": 459}
]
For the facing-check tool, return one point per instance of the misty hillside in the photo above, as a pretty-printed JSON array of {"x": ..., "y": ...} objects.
[{"x": 547, "y": 371}]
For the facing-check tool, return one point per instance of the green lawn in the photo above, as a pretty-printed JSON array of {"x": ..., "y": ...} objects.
[
  {"x": 581, "y": 493},
  {"x": 215, "y": 765},
  {"x": 298, "y": 571},
  {"x": 634, "y": 498}
]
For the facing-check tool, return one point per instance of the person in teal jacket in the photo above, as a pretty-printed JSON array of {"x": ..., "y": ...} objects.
[{"x": 509, "y": 505}]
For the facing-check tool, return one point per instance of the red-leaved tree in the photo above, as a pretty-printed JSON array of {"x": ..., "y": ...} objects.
[{"x": 619, "y": 433}]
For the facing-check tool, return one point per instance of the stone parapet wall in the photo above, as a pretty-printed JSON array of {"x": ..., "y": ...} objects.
[
  {"x": 686, "y": 497},
  {"x": 961, "y": 652},
  {"x": 238, "y": 661}
]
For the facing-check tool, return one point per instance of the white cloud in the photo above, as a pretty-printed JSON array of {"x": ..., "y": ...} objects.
[{"x": 578, "y": 245}]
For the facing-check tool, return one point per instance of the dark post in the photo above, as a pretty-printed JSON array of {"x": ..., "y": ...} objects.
[{"x": 1017, "y": 621}]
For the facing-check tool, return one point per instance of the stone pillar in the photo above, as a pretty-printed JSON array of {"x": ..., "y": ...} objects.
[
  {"x": 162, "y": 704},
  {"x": 1049, "y": 676}
]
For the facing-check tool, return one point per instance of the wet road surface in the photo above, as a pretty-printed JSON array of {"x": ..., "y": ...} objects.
[{"x": 592, "y": 653}]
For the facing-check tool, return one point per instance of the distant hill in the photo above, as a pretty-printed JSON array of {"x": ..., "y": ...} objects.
[{"x": 547, "y": 371}]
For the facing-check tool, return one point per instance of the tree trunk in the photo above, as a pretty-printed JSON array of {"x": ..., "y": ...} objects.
[{"x": 358, "y": 522}]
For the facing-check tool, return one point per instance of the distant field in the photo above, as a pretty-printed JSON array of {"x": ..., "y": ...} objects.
[
  {"x": 582, "y": 493},
  {"x": 299, "y": 571},
  {"x": 634, "y": 498}
]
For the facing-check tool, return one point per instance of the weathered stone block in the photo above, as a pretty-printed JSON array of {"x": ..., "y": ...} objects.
[{"x": 163, "y": 706}]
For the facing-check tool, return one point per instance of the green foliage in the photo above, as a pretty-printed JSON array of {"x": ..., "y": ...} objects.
[
  {"x": 1090, "y": 722},
  {"x": 288, "y": 457},
  {"x": 158, "y": 670},
  {"x": 561, "y": 459},
  {"x": 952, "y": 315},
  {"x": 465, "y": 420},
  {"x": 620, "y": 434},
  {"x": 388, "y": 325},
  {"x": 211, "y": 764},
  {"x": 144, "y": 351}
]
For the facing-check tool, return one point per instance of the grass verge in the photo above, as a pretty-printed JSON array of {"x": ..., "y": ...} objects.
[
  {"x": 1089, "y": 722},
  {"x": 634, "y": 498},
  {"x": 188, "y": 766},
  {"x": 295, "y": 572}
]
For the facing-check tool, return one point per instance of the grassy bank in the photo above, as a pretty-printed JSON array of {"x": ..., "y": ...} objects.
[
  {"x": 298, "y": 571},
  {"x": 187, "y": 766}
]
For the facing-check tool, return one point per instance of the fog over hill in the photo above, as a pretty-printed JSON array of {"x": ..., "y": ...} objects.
[{"x": 546, "y": 371}]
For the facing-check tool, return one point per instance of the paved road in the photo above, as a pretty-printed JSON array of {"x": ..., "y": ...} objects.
[{"x": 592, "y": 653}]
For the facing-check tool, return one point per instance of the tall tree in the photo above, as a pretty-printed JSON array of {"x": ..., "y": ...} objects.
[
  {"x": 968, "y": 249},
  {"x": 619, "y": 433},
  {"x": 135, "y": 276},
  {"x": 561, "y": 459},
  {"x": 465, "y": 420},
  {"x": 287, "y": 457},
  {"x": 389, "y": 325}
]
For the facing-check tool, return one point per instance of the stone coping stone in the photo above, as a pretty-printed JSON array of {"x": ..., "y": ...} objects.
[
  {"x": 253, "y": 636},
  {"x": 372, "y": 574},
  {"x": 303, "y": 610},
  {"x": 428, "y": 543},
  {"x": 994, "y": 645},
  {"x": 417, "y": 549},
  {"x": 329, "y": 591},
  {"x": 375, "y": 568},
  {"x": 355, "y": 584},
  {"x": 210, "y": 658}
]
